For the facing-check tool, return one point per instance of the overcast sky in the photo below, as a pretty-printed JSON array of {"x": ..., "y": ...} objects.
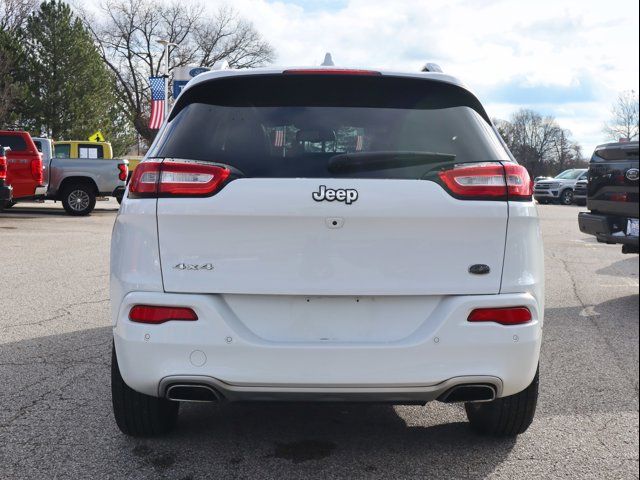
[{"x": 567, "y": 58}]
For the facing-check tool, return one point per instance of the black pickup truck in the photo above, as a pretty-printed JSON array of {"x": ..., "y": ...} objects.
[{"x": 612, "y": 196}]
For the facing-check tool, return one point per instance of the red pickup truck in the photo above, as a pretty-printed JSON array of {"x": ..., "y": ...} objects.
[{"x": 23, "y": 165}]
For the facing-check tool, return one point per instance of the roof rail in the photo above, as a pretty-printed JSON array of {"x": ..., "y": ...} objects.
[{"x": 431, "y": 67}]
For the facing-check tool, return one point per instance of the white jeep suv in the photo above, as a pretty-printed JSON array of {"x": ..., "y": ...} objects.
[{"x": 327, "y": 235}]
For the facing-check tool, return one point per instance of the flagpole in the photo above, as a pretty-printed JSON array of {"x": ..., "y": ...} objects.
[
  {"x": 166, "y": 79},
  {"x": 166, "y": 44}
]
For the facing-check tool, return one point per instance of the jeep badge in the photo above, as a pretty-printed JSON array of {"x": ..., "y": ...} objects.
[{"x": 346, "y": 195}]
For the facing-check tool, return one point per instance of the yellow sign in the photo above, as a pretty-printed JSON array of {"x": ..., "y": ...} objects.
[{"x": 97, "y": 137}]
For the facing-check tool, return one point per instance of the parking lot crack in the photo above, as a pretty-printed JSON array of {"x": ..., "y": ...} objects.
[
  {"x": 87, "y": 303},
  {"x": 574, "y": 285},
  {"x": 24, "y": 409},
  {"x": 38, "y": 322}
]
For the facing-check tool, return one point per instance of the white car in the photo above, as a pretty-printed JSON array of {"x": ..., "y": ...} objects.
[{"x": 327, "y": 234}]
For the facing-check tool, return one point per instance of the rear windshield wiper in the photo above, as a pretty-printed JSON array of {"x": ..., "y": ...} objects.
[{"x": 368, "y": 161}]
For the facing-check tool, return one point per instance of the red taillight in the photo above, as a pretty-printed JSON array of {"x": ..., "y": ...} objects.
[
  {"x": 480, "y": 180},
  {"x": 36, "y": 170},
  {"x": 171, "y": 178},
  {"x": 519, "y": 184},
  {"x": 488, "y": 181},
  {"x": 122, "y": 175},
  {"x": 190, "y": 178},
  {"x": 503, "y": 316},
  {"x": 3, "y": 168},
  {"x": 616, "y": 197},
  {"x": 155, "y": 315},
  {"x": 330, "y": 71},
  {"x": 144, "y": 180}
]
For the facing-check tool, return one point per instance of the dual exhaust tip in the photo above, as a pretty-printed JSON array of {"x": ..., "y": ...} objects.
[{"x": 205, "y": 393}]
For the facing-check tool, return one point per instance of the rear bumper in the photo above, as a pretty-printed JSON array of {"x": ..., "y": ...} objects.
[
  {"x": 326, "y": 393},
  {"x": 221, "y": 351},
  {"x": 39, "y": 194},
  {"x": 580, "y": 195},
  {"x": 546, "y": 194},
  {"x": 602, "y": 226}
]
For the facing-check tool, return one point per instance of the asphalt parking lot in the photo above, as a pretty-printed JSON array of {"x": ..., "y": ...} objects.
[{"x": 56, "y": 421}]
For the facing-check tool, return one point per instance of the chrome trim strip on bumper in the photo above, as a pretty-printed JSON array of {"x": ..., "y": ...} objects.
[{"x": 328, "y": 393}]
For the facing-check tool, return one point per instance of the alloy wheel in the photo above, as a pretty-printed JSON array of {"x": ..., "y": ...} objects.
[{"x": 79, "y": 200}]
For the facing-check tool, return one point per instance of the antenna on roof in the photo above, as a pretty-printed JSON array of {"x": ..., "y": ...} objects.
[
  {"x": 431, "y": 67},
  {"x": 328, "y": 61}
]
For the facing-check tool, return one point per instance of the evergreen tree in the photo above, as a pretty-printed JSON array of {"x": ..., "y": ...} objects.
[
  {"x": 11, "y": 90},
  {"x": 71, "y": 94}
]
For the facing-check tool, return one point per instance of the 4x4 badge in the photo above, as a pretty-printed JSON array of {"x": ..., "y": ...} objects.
[
  {"x": 192, "y": 266},
  {"x": 346, "y": 195}
]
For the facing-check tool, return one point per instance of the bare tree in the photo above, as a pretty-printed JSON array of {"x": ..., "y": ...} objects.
[
  {"x": 567, "y": 153},
  {"x": 14, "y": 13},
  {"x": 539, "y": 143},
  {"x": 233, "y": 39},
  {"x": 579, "y": 160},
  {"x": 624, "y": 117},
  {"x": 531, "y": 138},
  {"x": 127, "y": 35}
]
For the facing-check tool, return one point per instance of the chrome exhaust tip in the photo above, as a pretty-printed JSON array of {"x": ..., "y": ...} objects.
[
  {"x": 191, "y": 393},
  {"x": 469, "y": 393}
]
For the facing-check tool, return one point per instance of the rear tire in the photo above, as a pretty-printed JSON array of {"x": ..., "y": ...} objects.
[
  {"x": 79, "y": 199},
  {"x": 506, "y": 416},
  {"x": 136, "y": 414}
]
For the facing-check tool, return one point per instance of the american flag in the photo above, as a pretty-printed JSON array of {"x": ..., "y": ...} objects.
[{"x": 157, "y": 102}]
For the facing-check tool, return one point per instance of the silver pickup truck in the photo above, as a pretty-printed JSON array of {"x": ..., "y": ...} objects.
[{"x": 77, "y": 182}]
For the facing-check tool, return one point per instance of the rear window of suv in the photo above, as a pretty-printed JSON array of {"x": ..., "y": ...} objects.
[
  {"x": 300, "y": 125},
  {"x": 616, "y": 153},
  {"x": 15, "y": 142}
]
